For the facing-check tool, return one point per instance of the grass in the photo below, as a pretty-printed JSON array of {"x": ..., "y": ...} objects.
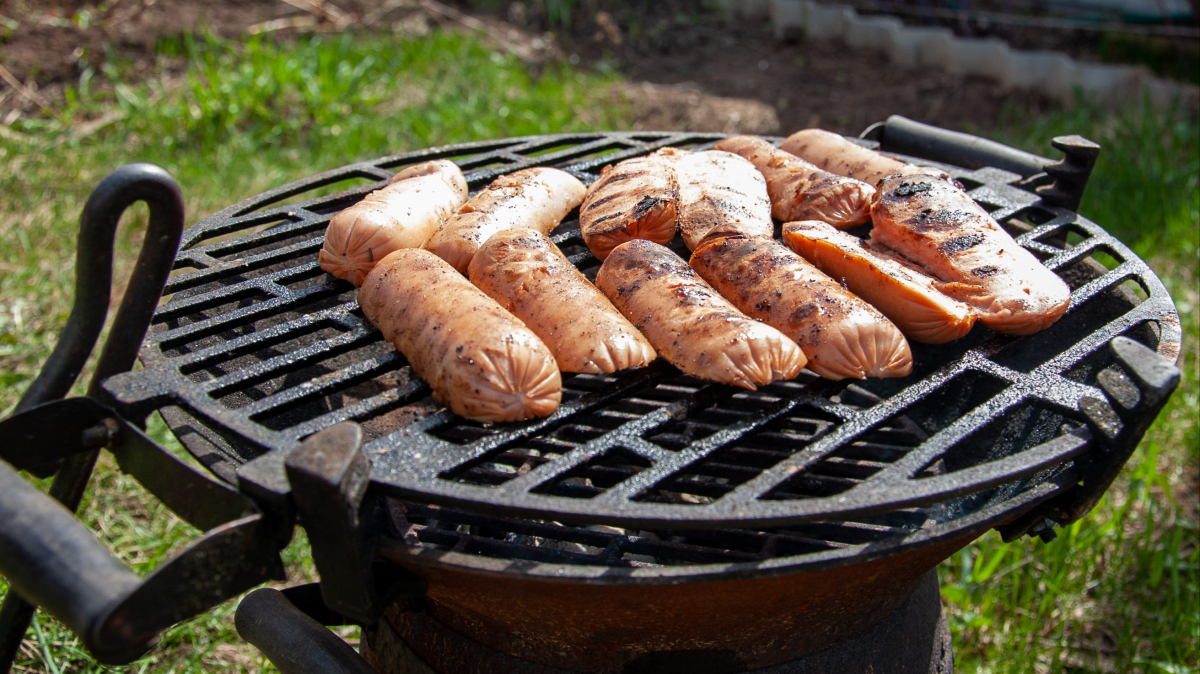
[{"x": 1118, "y": 591}]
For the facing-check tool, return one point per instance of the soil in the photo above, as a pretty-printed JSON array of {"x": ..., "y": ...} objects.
[{"x": 690, "y": 68}]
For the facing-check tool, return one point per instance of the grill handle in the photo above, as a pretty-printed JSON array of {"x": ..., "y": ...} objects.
[
  {"x": 53, "y": 561},
  {"x": 292, "y": 641},
  {"x": 905, "y": 136}
]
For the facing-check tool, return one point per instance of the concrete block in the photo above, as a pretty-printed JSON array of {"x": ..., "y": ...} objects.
[
  {"x": 872, "y": 32},
  {"x": 988, "y": 57},
  {"x": 788, "y": 18},
  {"x": 905, "y": 47},
  {"x": 827, "y": 22},
  {"x": 1048, "y": 72}
]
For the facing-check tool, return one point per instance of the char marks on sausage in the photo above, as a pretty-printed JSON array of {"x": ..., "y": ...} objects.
[
  {"x": 689, "y": 323},
  {"x": 800, "y": 190},
  {"x": 929, "y": 221},
  {"x": 842, "y": 336}
]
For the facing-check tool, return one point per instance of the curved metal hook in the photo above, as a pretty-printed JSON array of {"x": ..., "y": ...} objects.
[
  {"x": 93, "y": 280},
  {"x": 93, "y": 289}
]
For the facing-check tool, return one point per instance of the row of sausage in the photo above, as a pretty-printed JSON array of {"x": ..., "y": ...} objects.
[{"x": 746, "y": 311}]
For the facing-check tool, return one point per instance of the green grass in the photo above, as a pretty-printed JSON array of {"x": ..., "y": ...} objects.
[{"x": 1117, "y": 591}]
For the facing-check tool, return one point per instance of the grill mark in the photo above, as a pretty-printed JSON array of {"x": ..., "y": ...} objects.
[
  {"x": 910, "y": 189},
  {"x": 619, "y": 177},
  {"x": 954, "y": 246},
  {"x": 601, "y": 202},
  {"x": 984, "y": 272},
  {"x": 644, "y": 206}
]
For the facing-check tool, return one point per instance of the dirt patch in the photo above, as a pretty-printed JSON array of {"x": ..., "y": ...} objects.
[{"x": 689, "y": 69}]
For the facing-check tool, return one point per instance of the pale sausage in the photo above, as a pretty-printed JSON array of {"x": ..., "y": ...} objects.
[
  {"x": 838, "y": 155},
  {"x": 800, "y": 190},
  {"x": 529, "y": 276},
  {"x": 479, "y": 359},
  {"x": 402, "y": 215},
  {"x": 538, "y": 198},
  {"x": 720, "y": 192}
]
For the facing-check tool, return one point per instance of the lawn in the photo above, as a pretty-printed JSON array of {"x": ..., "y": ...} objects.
[{"x": 1118, "y": 591}]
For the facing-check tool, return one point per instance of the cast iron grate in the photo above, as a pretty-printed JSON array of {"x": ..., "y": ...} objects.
[{"x": 257, "y": 348}]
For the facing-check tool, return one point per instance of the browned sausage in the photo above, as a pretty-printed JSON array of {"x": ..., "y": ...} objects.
[
  {"x": 633, "y": 200},
  {"x": 931, "y": 222},
  {"x": 720, "y": 192},
  {"x": 402, "y": 215},
  {"x": 480, "y": 360},
  {"x": 528, "y": 275},
  {"x": 842, "y": 336},
  {"x": 538, "y": 198},
  {"x": 908, "y": 297},
  {"x": 689, "y": 323},
  {"x": 838, "y": 155},
  {"x": 801, "y": 191}
]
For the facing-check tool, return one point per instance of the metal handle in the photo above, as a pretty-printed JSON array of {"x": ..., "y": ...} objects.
[
  {"x": 52, "y": 560},
  {"x": 904, "y": 136},
  {"x": 93, "y": 280},
  {"x": 292, "y": 641}
]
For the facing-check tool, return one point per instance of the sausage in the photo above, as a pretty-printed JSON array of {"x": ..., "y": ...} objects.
[
  {"x": 538, "y": 198},
  {"x": 720, "y": 191},
  {"x": 929, "y": 221},
  {"x": 838, "y": 155},
  {"x": 909, "y": 298},
  {"x": 402, "y": 215},
  {"x": 529, "y": 276},
  {"x": 689, "y": 323},
  {"x": 480, "y": 360},
  {"x": 842, "y": 336},
  {"x": 801, "y": 191},
  {"x": 633, "y": 200}
]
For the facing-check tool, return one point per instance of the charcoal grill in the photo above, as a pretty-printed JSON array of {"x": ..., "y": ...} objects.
[{"x": 653, "y": 521}]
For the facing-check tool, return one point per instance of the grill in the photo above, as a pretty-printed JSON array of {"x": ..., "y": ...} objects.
[{"x": 645, "y": 487}]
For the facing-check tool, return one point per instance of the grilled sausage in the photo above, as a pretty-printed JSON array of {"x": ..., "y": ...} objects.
[
  {"x": 931, "y": 222},
  {"x": 633, "y": 200},
  {"x": 529, "y": 276},
  {"x": 801, "y": 191},
  {"x": 720, "y": 191},
  {"x": 480, "y": 360},
  {"x": 838, "y": 155},
  {"x": 402, "y": 215},
  {"x": 538, "y": 198},
  {"x": 689, "y": 323},
  {"x": 842, "y": 336},
  {"x": 908, "y": 297}
]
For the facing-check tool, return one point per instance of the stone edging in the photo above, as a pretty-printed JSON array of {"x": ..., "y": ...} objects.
[{"x": 1051, "y": 73}]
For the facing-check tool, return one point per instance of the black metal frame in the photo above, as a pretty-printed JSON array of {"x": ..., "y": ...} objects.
[{"x": 316, "y": 471}]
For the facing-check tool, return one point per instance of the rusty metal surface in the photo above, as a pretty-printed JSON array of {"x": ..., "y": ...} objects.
[{"x": 899, "y": 630}]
